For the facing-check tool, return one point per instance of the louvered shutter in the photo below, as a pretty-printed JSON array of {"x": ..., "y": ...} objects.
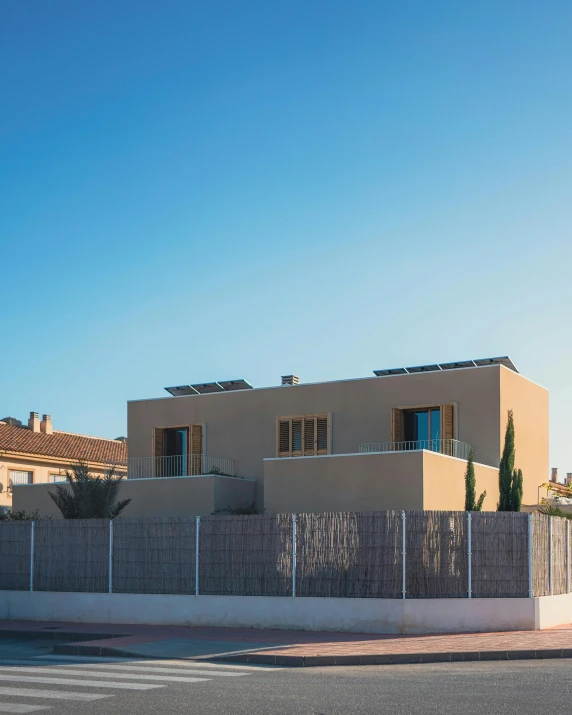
[
  {"x": 284, "y": 438},
  {"x": 447, "y": 428},
  {"x": 297, "y": 447},
  {"x": 309, "y": 435},
  {"x": 158, "y": 449},
  {"x": 396, "y": 425},
  {"x": 322, "y": 435},
  {"x": 196, "y": 445}
]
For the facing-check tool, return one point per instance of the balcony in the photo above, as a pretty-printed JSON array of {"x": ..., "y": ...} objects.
[
  {"x": 181, "y": 465},
  {"x": 449, "y": 447}
]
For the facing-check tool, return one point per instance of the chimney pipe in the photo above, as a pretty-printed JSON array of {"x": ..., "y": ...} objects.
[
  {"x": 554, "y": 475},
  {"x": 34, "y": 422},
  {"x": 46, "y": 425},
  {"x": 290, "y": 380}
]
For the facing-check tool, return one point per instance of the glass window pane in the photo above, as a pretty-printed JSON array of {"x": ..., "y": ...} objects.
[
  {"x": 421, "y": 426},
  {"x": 296, "y": 435},
  {"x": 436, "y": 424}
]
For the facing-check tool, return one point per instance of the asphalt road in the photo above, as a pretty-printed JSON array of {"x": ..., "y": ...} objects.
[{"x": 34, "y": 680}]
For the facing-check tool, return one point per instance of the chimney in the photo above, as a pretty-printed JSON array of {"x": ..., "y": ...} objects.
[
  {"x": 46, "y": 424},
  {"x": 290, "y": 380},
  {"x": 554, "y": 475},
  {"x": 34, "y": 422},
  {"x": 569, "y": 478}
]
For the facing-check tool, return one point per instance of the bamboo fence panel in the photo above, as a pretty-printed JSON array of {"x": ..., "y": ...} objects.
[
  {"x": 499, "y": 546},
  {"x": 559, "y": 554},
  {"x": 540, "y": 557},
  {"x": 71, "y": 555},
  {"x": 154, "y": 555},
  {"x": 349, "y": 554},
  {"x": 436, "y": 551},
  {"x": 246, "y": 555},
  {"x": 15, "y": 537}
]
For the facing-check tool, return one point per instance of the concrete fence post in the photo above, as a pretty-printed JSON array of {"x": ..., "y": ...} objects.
[
  {"x": 293, "y": 555},
  {"x": 550, "y": 579},
  {"x": 32, "y": 545},
  {"x": 403, "y": 553},
  {"x": 110, "y": 568},
  {"x": 567, "y": 556},
  {"x": 197, "y": 553},
  {"x": 469, "y": 558},
  {"x": 530, "y": 574}
]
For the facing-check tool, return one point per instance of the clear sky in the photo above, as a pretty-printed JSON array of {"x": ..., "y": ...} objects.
[{"x": 193, "y": 191}]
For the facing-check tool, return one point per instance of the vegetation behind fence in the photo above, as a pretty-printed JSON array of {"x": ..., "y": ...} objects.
[{"x": 391, "y": 554}]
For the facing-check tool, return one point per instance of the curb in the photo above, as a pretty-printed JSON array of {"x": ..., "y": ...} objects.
[
  {"x": 300, "y": 661},
  {"x": 54, "y": 634}
]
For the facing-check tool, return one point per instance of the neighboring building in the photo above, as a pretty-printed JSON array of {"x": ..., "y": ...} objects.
[
  {"x": 397, "y": 440},
  {"x": 36, "y": 453}
]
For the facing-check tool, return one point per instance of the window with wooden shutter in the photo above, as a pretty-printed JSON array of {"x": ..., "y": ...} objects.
[
  {"x": 396, "y": 425},
  {"x": 448, "y": 428},
  {"x": 303, "y": 436},
  {"x": 158, "y": 450},
  {"x": 196, "y": 449}
]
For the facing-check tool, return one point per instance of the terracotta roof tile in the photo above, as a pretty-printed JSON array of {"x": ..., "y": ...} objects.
[{"x": 62, "y": 444}]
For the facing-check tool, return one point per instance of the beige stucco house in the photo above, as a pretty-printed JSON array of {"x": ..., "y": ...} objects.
[
  {"x": 396, "y": 440},
  {"x": 37, "y": 454}
]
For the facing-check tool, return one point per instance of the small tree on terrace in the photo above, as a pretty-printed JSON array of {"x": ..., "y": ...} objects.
[
  {"x": 470, "y": 486},
  {"x": 88, "y": 496}
]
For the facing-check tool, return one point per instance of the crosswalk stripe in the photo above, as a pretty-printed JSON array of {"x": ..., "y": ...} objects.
[
  {"x": 52, "y": 694},
  {"x": 67, "y": 670},
  {"x": 82, "y": 683},
  {"x": 183, "y": 664},
  {"x": 152, "y": 669},
  {"x": 18, "y": 708}
]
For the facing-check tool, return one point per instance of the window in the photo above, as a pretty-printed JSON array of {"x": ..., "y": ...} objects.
[
  {"x": 54, "y": 478},
  {"x": 18, "y": 476},
  {"x": 431, "y": 427},
  {"x": 303, "y": 436},
  {"x": 178, "y": 451}
]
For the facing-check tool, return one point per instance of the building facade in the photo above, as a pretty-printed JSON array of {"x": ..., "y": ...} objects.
[{"x": 397, "y": 440}]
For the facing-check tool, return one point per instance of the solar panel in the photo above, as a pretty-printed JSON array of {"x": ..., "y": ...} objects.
[
  {"x": 207, "y": 387},
  {"x": 392, "y": 371},
  {"x": 423, "y": 368},
  {"x": 181, "y": 390},
  {"x": 506, "y": 361},
  {"x": 231, "y": 385},
  {"x": 457, "y": 365}
]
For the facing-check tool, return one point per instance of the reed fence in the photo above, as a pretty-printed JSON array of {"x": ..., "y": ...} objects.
[{"x": 390, "y": 554}]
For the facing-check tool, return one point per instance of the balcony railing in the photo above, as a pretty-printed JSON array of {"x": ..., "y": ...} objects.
[
  {"x": 450, "y": 447},
  {"x": 181, "y": 465}
]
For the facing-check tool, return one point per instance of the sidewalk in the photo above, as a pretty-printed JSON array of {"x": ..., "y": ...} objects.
[{"x": 293, "y": 648}]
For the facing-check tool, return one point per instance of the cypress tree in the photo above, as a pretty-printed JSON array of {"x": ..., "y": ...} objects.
[
  {"x": 516, "y": 490},
  {"x": 470, "y": 486},
  {"x": 506, "y": 467}
]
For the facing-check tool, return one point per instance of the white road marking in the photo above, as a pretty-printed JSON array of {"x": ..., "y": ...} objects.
[
  {"x": 52, "y": 694},
  {"x": 151, "y": 669},
  {"x": 67, "y": 670},
  {"x": 93, "y": 660},
  {"x": 82, "y": 683},
  {"x": 18, "y": 708}
]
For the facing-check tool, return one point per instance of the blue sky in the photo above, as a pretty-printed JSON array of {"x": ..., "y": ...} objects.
[{"x": 193, "y": 191}]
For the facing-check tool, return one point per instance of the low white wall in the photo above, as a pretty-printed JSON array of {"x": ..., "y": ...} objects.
[
  {"x": 551, "y": 611},
  {"x": 367, "y": 615}
]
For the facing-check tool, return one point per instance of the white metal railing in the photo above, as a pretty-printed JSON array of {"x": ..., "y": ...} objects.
[
  {"x": 450, "y": 447},
  {"x": 181, "y": 465}
]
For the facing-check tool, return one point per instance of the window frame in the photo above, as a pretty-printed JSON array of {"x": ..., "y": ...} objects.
[
  {"x": 305, "y": 421},
  {"x": 18, "y": 469}
]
